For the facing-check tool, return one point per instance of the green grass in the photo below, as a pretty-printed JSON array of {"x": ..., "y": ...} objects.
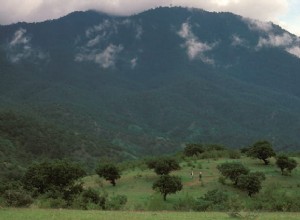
[
  {"x": 37, "y": 214},
  {"x": 136, "y": 184},
  {"x": 144, "y": 203}
]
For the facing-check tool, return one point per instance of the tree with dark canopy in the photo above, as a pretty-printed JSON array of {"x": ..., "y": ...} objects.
[
  {"x": 57, "y": 175},
  {"x": 193, "y": 149},
  {"x": 163, "y": 166},
  {"x": 167, "y": 185},
  {"x": 109, "y": 172},
  {"x": 286, "y": 164},
  {"x": 261, "y": 150},
  {"x": 251, "y": 182},
  {"x": 232, "y": 171}
]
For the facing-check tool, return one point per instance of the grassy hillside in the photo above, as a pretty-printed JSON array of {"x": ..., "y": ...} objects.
[
  {"x": 136, "y": 185},
  {"x": 143, "y": 203}
]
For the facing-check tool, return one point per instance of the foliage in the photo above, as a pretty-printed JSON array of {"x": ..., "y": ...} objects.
[
  {"x": 116, "y": 202},
  {"x": 213, "y": 200},
  {"x": 261, "y": 150},
  {"x": 17, "y": 198},
  {"x": 286, "y": 163},
  {"x": 163, "y": 166},
  {"x": 167, "y": 185},
  {"x": 55, "y": 176},
  {"x": 193, "y": 149},
  {"x": 109, "y": 172},
  {"x": 250, "y": 183},
  {"x": 232, "y": 170}
]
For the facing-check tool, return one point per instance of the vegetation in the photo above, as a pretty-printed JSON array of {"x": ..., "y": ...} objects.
[
  {"x": 250, "y": 182},
  {"x": 286, "y": 164},
  {"x": 109, "y": 172},
  {"x": 163, "y": 166},
  {"x": 261, "y": 150},
  {"x": 167, "y": 185},
  {"x": 233, "y": 171},
  {"x": 193, "y": 149}
]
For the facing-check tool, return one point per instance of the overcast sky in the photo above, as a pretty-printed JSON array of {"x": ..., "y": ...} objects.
[{"x": 282, "y": 12}]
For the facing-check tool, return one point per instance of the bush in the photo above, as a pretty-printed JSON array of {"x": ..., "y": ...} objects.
[
  {"x": 17, "y": 198},
  {"x": 234, "y": 154},
  {"x": 214, "y": 200},
  {"x": 186, "y": 203},
  {"x": 116, "y": 202}
]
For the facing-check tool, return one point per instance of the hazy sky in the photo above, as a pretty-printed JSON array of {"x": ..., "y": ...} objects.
[{"x": 282, "y": 12}]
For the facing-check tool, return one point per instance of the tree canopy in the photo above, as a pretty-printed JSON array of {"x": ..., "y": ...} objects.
[
  {"x": 167, "y": 185},
  {"x": 286, "y": 164},
  {"x": 232, "y": 170},
  {"x": 261, "y": 150},
  {"x": 109, "y": 172}
]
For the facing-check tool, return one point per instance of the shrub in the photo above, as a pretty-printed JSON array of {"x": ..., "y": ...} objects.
[
  {"x": 232, "y": 170},
  {"x": 116, "y": 202},
  {"x": 187, "y": 203},
  {"x": 234, "y": 154},
  {"x": 17, "y": 198},
  {"x": 214, "y": 200}
]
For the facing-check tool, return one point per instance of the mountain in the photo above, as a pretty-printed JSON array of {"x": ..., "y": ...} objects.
[{"x": 153, "y": 81}]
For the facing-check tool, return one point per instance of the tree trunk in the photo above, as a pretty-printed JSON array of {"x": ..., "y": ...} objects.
[
  {"x": 165, "y": 196},
  {"x": 266, "y": 161},
  {"x": 113, "y": 182}
]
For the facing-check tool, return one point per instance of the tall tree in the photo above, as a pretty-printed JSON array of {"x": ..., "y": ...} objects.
[
  {"x": 261, "y": 150},
  {"x": 232, "y": 170},
  {"x": 109, "y": 172},
  {"x": 286, "y": 164},
  {"x": 167, "y": 185}
]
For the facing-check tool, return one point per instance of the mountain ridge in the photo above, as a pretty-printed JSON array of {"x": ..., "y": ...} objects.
[{"x": 158, "y": 79}]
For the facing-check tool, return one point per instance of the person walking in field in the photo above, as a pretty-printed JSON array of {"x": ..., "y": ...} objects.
[
  {"x": 192, "y": 174},
  {"x": 200, "y": 176}
]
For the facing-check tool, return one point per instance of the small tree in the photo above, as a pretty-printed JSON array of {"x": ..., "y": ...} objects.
[
  {"x": 163, "y": 166},
  {"x": 109, "y": 172},
  {"x": 167, "y": 185},
  {"x": 193, "y": 149},
  {"x": 285, "y": 163},
  {"x": 251, "y": 182},
  {"x": 261, "y": 150},
  {"x": 232, "y": 171}
]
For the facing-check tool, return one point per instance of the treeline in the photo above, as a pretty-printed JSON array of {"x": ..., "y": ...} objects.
[{"x": 24, "y": 139}]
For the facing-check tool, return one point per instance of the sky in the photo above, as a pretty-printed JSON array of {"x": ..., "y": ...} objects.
[{"x": 282, "y": 12}]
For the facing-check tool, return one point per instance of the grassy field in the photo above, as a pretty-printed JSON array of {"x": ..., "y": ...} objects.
[
  {"x": 145, "y": 203},
  {"x": 37, "y": 214},
  {"x": 136, "y": 183}
]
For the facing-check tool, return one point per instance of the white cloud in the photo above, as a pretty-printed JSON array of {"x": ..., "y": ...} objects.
[
  {"x": 20, "y": 48},
  {"x": 283, "y": 40},
  {"x": 294, "y": 50},
  {"x": 237, "y": 41},
  {"x": 133, "y": 62},
  {"x": 195, "y": 48},
  {"x": 94, "y": 41},
  {"x": 258, "y": 25},
  {"x": 19, "y": 38},
  {"x": 105, "y": 58}
]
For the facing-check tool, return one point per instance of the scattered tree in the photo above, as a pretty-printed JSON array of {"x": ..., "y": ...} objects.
[
  {"x": 286, "y": 164},
  {"x": 58, "y": 175},
  {"x": 251, "y": 182},
  {"x": 163, "y": 166},
  {"x": 167, "y": 185},
  {"x": 261, "y": 150},
  {"x": 109, "y": 172},
  {"x": 232, "y": 171},
  {"x": 193, "y": 149}
]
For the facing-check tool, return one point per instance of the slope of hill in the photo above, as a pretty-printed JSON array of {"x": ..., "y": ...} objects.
[{"x": 152, "y": 81}]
